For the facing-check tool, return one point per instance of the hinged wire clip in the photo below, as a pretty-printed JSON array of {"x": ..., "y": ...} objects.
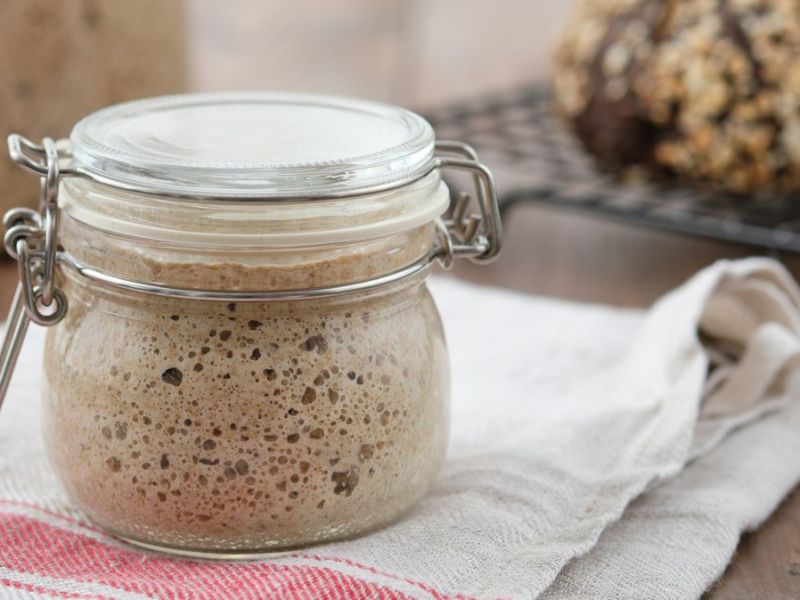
[{"x": 32, "y": 239}]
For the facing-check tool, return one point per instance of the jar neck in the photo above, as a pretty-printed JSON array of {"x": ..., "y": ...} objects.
[
  {"x": 244, "y": 269},
  {"x": 247, "y": 245},
  {"x": 248, "y": 223}
]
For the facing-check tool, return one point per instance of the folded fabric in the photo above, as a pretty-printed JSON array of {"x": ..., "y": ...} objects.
[
  {"x": 679, "y": 537},
  {"x": 563, "y": 414}
]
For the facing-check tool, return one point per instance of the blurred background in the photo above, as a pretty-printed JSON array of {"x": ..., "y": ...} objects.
[
  {"x": 412, "y": 52},
  {"x": 418, "y": 53},
  {"x": 469, "y": 65}
]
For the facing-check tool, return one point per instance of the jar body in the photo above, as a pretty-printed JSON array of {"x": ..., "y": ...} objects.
[{"x": 239, "y": 427}]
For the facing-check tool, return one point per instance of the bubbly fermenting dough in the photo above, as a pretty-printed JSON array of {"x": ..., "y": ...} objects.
[{"x": 230, "y": 427}]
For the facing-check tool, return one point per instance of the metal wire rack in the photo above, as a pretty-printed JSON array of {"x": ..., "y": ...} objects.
[{"x": 536, "y": 160}]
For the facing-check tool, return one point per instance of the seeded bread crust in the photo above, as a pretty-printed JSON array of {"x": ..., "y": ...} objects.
[{"x": 704, "y": 91}]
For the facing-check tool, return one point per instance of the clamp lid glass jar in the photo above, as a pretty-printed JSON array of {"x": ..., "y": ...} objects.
[{"x": 243, "y": 353}]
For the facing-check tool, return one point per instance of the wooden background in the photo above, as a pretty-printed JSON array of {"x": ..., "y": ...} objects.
[{"x": 422, "y": 53}]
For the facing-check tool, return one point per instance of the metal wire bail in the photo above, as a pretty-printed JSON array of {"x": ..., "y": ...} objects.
[
  {"x": 31, "y": 239},
  {"x": 477, "y": 237}
]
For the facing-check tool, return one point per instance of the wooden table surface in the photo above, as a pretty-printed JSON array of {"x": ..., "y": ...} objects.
[{"x": 558, "y": 253}]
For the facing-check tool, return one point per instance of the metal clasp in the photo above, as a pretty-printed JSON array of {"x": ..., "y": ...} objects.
[
  {"x": 31, "y": 239},
  {"x": 474, "y": 236}
]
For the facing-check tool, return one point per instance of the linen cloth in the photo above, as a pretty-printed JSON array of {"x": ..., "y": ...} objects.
[{"x": 566, "y": 477}]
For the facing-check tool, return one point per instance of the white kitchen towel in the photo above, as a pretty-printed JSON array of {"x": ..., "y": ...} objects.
[
  {"x": 563, "y": 415},
  {"x": 677, "y": 539}
]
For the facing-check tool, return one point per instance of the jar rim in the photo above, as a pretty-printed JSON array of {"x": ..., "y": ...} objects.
[
  {"x": 205, "y": 223},
  {"x": 249, "y": 145}
]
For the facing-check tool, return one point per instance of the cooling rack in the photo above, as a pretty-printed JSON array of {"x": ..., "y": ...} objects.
[{"x": 536, "y": 160}]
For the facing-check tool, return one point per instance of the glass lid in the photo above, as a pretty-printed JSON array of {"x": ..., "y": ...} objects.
[{"x": 253, "y": 145}]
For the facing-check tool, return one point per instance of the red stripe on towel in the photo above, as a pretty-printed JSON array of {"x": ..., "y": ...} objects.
[{"x": 33, "y": 547}]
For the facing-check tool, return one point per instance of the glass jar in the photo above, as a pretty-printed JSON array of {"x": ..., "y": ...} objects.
[{"x": 243, "y": 353}]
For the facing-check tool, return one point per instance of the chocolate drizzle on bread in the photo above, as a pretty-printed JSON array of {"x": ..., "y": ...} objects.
[{"x": 705, "y": 91}]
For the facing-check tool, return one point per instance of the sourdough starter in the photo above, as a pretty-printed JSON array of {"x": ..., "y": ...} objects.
[{"x": 238, "y": 427}]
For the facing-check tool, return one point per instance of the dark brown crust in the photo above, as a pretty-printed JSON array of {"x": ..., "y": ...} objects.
[
  {"x": 616, "y": 130},
  {"x": 690, "y": 90}
]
